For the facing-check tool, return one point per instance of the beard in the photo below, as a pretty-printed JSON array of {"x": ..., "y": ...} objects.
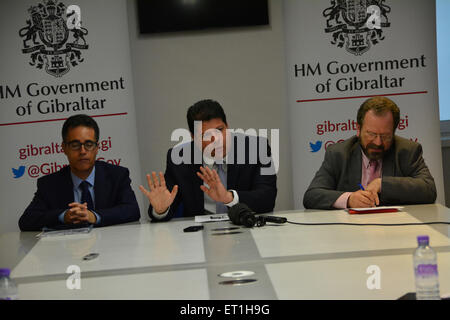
[{"x": 373, "y": 151}]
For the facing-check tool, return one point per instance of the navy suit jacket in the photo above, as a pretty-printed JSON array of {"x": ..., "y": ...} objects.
[
  {"x": 115, "y": 201},
  {"x": 257, "y": 191}
]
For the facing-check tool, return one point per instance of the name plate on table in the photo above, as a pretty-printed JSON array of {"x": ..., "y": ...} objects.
[
  {"x": 212, "y": 218},
  {"x": 64, "y": 232}
]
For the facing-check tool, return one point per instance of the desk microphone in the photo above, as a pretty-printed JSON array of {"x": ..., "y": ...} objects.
[
  {"x": 273, "y": 219},
  {"x": 241, "y": 214}
]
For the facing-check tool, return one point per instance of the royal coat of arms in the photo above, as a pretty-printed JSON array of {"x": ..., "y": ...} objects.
[
  {"x": 356, "y": 24},
  {"x": 54, "y": 46}
]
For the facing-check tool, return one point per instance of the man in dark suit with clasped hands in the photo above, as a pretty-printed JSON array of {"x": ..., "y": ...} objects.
[
  {"x": 86, "y": 192},
  {"x": 373, "y": 168}
]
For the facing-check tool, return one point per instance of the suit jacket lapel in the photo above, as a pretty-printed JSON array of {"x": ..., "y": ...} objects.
[
  {"x": 388, "y": 166},
  {"x": 101, "y": 188},
  {"x": 232, "y": 175},
  {"x": 196, "y": 182},
  {"x": 355, "y": 167},
  {"x": 193, "y": 195},
  {"x": 234, "y": 167},
  {"x": 66, "y": 187}
]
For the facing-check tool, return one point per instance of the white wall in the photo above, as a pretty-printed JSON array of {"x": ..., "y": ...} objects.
[{"x": 243, "y": 69}]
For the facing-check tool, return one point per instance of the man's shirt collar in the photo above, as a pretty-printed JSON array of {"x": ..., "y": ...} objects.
[{"x": 76, "y": 180}]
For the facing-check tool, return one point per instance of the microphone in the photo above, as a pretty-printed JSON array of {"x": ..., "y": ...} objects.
[
  {"x": 273, "y": 219},
  {"x": 241, "y": 214}
]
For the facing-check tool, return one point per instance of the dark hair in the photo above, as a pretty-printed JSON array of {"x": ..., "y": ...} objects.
[
  {"x": 379, "y": 105},
  {"x": 77, "y": 121},
  {"x": 205, "y": 110}
]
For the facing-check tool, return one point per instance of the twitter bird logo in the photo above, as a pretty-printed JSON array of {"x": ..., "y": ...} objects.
[
  {"x": 18, "y": 172},
  {"x": 315, "y": 146}
]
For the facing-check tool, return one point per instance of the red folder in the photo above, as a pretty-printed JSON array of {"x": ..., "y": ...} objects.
[{"x": 373, "y": 210}]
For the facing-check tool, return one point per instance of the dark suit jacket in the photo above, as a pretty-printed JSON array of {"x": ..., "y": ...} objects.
[
  {"x": 254, "y": 189},
  {"x": 405, "y": 177},
  {"x": 115, "y": 201}
]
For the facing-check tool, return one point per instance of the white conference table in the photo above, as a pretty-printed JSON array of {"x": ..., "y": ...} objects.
[{"x": 160, "y": 261}]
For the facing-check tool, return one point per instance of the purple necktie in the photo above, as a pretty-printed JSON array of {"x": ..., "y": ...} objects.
[{"x": 373, "y": 166}]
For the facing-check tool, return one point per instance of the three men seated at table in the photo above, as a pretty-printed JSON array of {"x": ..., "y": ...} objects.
[{"x": 373, "y": 168}]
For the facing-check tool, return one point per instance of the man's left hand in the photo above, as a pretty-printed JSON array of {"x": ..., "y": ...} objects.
[
  {"x": 216, "y": 190},
  {"x": 375, "y": 186}
]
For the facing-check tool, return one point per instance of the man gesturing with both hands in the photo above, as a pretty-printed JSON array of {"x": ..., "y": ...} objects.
[{"x": 215, "y": 183}]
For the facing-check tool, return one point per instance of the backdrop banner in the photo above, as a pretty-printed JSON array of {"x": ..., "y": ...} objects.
[
  {"x": 61, "y": 58},
  {"x": 341, "y": 52}
]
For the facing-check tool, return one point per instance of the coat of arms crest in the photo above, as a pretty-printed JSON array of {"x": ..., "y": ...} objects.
[
  {"x": 356, "y": 24},
  {"x": 54, "y": 45}
]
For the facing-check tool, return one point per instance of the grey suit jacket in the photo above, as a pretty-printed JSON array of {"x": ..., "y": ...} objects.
[{"x": 405, "y": 177}]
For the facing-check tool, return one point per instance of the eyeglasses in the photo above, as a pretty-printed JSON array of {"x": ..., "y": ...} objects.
[
  {"x": 383, "y": 137},
  {"x": 76, "y": 145}
]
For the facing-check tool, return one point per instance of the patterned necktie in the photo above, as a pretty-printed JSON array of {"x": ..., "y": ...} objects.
[
  {"x": 373, "y": 166},
  {"x": 86, "y": 195},
  {"x": 220, "y": 207}
]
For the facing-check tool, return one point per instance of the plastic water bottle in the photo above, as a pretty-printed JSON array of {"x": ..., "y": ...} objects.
[
  {"x": 8, "y": 288},
  {"x": 426, "y": 272}
]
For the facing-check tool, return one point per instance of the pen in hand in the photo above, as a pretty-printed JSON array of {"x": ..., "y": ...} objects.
[{"x": 362, "y": 188}]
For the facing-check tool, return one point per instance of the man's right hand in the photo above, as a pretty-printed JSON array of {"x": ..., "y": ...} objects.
[
  {"x": 159, "y": 196},
  {"x": 363, "y": 199}
]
